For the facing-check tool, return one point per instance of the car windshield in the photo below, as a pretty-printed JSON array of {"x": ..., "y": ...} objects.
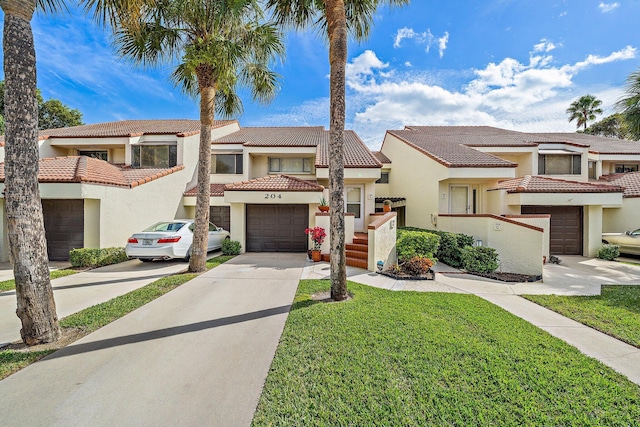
[
  {"x": 166, "y": 226},
  {"x": 635, "y": 232}
]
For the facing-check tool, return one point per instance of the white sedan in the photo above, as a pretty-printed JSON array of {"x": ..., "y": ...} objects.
[{"x": 170, "y": 239}]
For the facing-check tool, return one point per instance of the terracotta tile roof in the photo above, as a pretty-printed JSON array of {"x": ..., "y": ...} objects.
[
  {"x": 450, "y": 151},
  {"x": 357, "y": 154},
  {"x": 275, "y": 183},
  {"x": 131, "y": 128},
  {"x": 539, "y": 184},
  {"x": 217, "y": 190},
  {"x": 478, "y": 136},
  {"x": 629, "y": 181},
  {"x": 381, "y": 157},
  {"x": 80, "y": 169},
  {"x": 275, "y": 137}
]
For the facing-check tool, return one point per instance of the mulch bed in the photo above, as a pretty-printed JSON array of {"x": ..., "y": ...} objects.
[
  {"x": 509, "y": 277},
  {"x": 430, "y": 275}
]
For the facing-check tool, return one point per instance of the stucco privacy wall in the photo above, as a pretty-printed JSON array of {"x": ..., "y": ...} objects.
[
  {"x": 540, "y": 221},
  {"x": 618, "y": 220},
  {"x": 323, "y": 220},
  {"x": 519, "y": 247},
  {"x": 382, "y": 240}
]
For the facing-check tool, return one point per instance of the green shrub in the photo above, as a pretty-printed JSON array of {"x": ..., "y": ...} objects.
[
  {"x": 231, "y": 247},
  {"x": 451, "y": 244},
  {"x": 92, "y": 257},
  {"x": 609, "y": 252},
  {"x": 416, "y": 243},
  {"x": 479, "y": 259}
]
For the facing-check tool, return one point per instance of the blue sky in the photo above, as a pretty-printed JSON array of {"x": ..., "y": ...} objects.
[{"x": 515, "y": 64}]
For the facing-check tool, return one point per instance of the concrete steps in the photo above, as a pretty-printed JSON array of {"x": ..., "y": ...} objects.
[{"x": 358, "y": 252}]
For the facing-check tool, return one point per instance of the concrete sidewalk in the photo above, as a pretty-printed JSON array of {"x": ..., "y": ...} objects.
[
  {"x": 578, "y": 276},
  {"x": 198, "y": 355},
  {"x": 81, "y": 290}
]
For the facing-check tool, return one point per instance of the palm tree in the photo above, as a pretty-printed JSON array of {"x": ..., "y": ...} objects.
[
  {"x": 219, "y": 44},
  {"x": 584, "y": 109},
  {"x": 629, "y": 105},
  {"x": 336, "y": 18},
  {"x": 25, "y": 225}
]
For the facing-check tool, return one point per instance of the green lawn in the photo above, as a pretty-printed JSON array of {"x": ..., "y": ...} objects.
[
  {"x": 9, "y": 285},
  {"x": 413, "y": 359},
  {"x": 97, "y": 316},
  {"x": 615, "y": 312}
]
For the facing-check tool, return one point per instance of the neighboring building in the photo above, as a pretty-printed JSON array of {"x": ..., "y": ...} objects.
[
  {"x": 100, "y": 183},
  {"x": 452, "y": 177}
]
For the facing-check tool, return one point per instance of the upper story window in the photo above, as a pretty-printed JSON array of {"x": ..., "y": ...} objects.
[
  {"x": 226, "y": 164},
  {"x": 96, "y": 154},
  {"x": 622, "y": 168},
  {"x": 592, "y": 170},
  {"x": 154, "y": 156},
  {"x": 289, "y": 165},
  {"x": 559, "y": 164},
  {"x": 384, "y": 178}
]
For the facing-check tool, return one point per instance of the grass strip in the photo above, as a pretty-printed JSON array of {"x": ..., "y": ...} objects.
[
  {"x": 616, "y": 311},
  {"x": 97, "y": 316},
  {"x": 419, "y": 359},
  {"x": 9, "y": 285}
]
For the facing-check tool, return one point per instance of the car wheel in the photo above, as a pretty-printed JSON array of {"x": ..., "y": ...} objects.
[
  {"x": 604, "y": 242},
  {"x": 188, "y": 256}
]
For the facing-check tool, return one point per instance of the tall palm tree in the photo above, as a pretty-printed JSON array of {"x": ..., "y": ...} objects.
[
  {"x": 337, "y": 18},
  {"x": 25, "y": 225},
  {"x": 584, "y": 109},
  {"x": 629, "y": 105},
  {"x": 219, "y": 45}
]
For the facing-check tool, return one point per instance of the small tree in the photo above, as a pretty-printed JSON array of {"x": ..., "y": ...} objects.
[
  {"x": 583, "y": 110},
  {"x": 629, "y": 105}
]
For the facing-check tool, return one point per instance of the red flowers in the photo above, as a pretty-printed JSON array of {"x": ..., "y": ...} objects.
[{"x": 317, "y": 235}]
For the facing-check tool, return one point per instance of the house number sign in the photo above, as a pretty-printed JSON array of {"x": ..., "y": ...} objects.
[{"x": 271, "y": 196}]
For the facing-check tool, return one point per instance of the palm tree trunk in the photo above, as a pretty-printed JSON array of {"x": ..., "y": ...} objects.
[
  {"x": 337, "y": 28},
  {"x": 25, "y": 226},
  {"x": 198, "y": 261}
]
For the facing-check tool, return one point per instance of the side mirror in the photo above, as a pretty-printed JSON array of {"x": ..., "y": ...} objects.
[
  {"x": 627, "y": 233},
  {"x": 219, "y": 228}
]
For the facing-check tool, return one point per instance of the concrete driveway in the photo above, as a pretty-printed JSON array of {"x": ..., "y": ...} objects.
[{"x": 81, "y": 290}]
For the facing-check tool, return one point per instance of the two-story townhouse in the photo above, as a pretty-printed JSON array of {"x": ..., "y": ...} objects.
[
  {"x": 451, "y": 177},
  {"x": 266, "y": 185},
  {"x": 100, "y": 183}
]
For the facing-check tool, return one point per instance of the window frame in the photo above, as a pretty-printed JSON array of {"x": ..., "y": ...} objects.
[
  {"x": 90, "y": 153},
  {"x": 575, "y": 164},
  {"x": 626, "y": 167},
  {"x": 238, "y": 164},
  {"x": 382, "y": 180},
  {"x": 307, "y": 166},
  {"x": 137, "y": 158}
]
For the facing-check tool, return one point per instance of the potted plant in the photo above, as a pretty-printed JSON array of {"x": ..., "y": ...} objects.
[
  {"x": 317, "y": 235},
  {"x": 386, "y": 206},
  {"x": 324, "y": 206}
]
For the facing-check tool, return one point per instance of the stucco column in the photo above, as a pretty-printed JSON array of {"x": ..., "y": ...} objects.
[{"x": 593, "y": 227}]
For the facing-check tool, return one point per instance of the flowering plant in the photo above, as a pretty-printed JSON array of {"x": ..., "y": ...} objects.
[{"x": 317, "y": 236}]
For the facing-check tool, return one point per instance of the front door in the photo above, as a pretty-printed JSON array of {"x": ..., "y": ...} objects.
[
  {"x": 459, "y": 199},
  {"x": 355, "y": 205}
]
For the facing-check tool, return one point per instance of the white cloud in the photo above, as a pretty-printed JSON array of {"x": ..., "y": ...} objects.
[
  {"x": 408, "y": 64},
  {"x": 608, "y": 7},
  {"x": 544, "y": 46},
  {"x": 510, "y": 94},
  {"x": 425, "y": 38}
]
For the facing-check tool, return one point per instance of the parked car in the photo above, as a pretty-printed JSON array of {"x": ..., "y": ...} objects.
[
  {"x": 170, "y": 239},
  {"x": 628, "y": 242}
]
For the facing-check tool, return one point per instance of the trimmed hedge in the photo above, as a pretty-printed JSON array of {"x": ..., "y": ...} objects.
[
  {"x": 609, "y": 252},
  {"x": 412, "y": 244},
  {"x": 91, "y": 257},
  {"x": 451, "y": 244},
  {"x": 231, "y": 247},
  {"x": 479, "y": 259}
]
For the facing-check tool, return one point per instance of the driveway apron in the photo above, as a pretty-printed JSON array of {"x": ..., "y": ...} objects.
[{"x": 198, "y": 355}]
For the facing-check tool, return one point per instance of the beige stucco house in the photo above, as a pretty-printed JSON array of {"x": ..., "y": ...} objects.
[
  {"x": 100, "y": 183},
  {"x": 527, "y": 195}
]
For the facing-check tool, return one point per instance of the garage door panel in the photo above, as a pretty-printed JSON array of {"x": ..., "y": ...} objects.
[
  {"x": 64, "y": 227},
  {"x": 220, "y": 216},
  {"x": 277, "y": 228},
  {"x": 565, "y": 236}
]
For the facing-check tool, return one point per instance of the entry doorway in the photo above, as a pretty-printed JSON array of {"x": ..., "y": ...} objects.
[
  {"x": 354, "y": 203},
  {"x": 459, "y": 199}
]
